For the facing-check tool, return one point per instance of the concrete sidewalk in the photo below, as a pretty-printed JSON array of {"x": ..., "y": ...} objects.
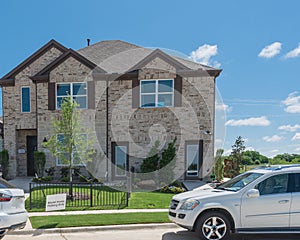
[{"x": 29, "y": 230}]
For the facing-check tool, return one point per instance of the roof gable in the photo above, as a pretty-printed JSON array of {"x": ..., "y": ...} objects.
[
  {"x": 52, "y": 43},
  {"x": 159, "y": 54},
  {"x": 43, "y": 75}
]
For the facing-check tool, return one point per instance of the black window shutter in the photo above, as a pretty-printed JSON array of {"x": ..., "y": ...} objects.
[
  {"x": 91, "y": 94},
  {"x": 135, "y": 93},
  {"x": 178, "y": 91},
  {"x": 51, "y": 96}
]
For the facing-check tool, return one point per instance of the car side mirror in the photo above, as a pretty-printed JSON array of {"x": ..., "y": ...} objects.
[{"x": 253, "y": 193}]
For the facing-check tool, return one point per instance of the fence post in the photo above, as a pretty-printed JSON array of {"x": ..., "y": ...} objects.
[
  {"x": 30, "y": 196},
  {"x": 91, "y": 194}
]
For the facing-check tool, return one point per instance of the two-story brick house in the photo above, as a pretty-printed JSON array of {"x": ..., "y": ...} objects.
[{"x": 129, "y": 97}]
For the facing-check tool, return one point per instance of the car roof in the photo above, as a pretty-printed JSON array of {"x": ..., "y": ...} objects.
[{"x": 275, "y": 168}]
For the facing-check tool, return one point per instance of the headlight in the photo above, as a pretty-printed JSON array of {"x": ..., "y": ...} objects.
[{"x": 190, "y": 204}]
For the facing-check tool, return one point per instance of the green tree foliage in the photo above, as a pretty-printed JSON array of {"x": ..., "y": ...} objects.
[
  {"x": 167, "y": 163},
  {"x": 39, "y": 162},
  {"x": 150, "y": 163},
  {"x": 250, "y": 157},
  {"x": 237, "y": 154},
  {"x": 70, "y": 141},
  {"x": 219, "y": 165},
  {"x": 163, "y": 162},
  {"x": 286, "y": 159}
]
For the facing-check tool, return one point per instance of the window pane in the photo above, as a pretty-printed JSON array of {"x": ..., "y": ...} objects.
[
  {"x": 165, "y": 100},
  {"x": 79, "y": 89},
  {"x": 148, "y": 100},
  {"x": 297, "y": 182},
  {"x": 120, "y": 157},
  {"x": 273, "y": 185},
  {"x": 147, "y": 86},
  {"x": 192, "y": 158},
  {"x": 26, "y": 99},
  {"x": 165, "y": 86},
  {"x": 59, "y": 101},
  {"x": 81, "y": 101},
  {"x": 63, "y": 89}
]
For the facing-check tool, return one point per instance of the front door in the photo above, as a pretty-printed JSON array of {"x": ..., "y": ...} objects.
[{"x": 31, "y": 147}]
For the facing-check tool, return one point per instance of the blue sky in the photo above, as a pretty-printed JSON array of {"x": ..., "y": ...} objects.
[{"x": 254, "y": 42}]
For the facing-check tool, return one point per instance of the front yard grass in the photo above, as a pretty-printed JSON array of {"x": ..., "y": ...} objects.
[
  {"x": 42, "y": 222},
  {"x": 138, "y": 200}
]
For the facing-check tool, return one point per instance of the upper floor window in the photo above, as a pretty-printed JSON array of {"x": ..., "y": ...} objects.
[
  {"x": 157, "y": 93},
  {"x": 25, "y": 99},
  {"x": 78, "y": 91}
]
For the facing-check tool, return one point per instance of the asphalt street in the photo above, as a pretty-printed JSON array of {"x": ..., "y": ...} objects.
[{"x": 164, "y": 233}]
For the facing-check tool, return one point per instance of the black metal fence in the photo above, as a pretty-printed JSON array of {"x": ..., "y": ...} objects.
[{"x": 78, "y": 195}]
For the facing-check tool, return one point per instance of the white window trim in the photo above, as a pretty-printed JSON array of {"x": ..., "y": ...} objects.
[
  {"x": 156, "y": 93},
  {"x": 116, "y": 166},
  {"x": 65, "y": 165},
  {"x": 71, "y": 93},
  {"x": 187, "y": 166},
  {"x": 22, "y": 99}
]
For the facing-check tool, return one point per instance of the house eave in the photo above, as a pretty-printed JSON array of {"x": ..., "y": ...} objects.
[{"x": 10, "y": 82}]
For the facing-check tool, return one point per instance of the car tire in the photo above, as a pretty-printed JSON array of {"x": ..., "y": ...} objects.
[{"x": 213, "y": 225}]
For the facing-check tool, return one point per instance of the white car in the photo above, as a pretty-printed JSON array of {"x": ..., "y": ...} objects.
[
  {"x": 12, "y": 208},
  {"x": 265, "y": 200}
]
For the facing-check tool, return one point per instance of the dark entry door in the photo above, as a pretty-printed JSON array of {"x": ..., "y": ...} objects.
[{"x": 31, "y": 147}]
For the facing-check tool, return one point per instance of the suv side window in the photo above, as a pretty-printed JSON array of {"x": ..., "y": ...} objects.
[
  {"x": 273, "y": 185},
  {"x": 297, "y": 182}
]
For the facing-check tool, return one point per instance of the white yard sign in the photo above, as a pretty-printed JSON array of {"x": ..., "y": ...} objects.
[{"x": 56, "y": 202}]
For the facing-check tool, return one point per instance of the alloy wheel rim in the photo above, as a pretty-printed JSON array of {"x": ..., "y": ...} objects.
[{"x": 214, "y": 228}]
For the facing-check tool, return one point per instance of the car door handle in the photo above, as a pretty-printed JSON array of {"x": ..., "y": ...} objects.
[{"x": 283, "y": 201}]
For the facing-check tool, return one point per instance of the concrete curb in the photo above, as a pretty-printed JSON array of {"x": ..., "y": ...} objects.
[{"x": 36, "y": 232}]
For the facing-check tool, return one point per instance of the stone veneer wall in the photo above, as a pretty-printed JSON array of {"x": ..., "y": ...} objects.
[
  {"x": 13, "y": 118},
  {"x": 142, "y": 126}
]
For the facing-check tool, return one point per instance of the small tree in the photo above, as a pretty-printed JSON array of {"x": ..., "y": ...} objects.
[
  {"x": 150, "y": 163},
  {"x": 219, "y": 165},
  {"x": 167, "y": 163},
  {"x": 237, "y": 154},
  {"x": 39, "y": 162},
  {"x": 69, "y": 140}
]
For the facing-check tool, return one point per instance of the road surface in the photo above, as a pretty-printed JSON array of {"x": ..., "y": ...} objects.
[{"x": 144, "y": 234}]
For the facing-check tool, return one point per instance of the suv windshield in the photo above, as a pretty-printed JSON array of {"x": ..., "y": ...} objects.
[{"x": 239, "y": 182}]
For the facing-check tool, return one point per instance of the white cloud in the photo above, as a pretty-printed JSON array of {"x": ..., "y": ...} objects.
[
  {"x": 271, "y": 50},
  {"x": 294, "y": 53},
  {"x": 289, "y": 128},
  {"x": 292, "y": 103},
  {"x": 204, "y": 54},
  {"x": 259, "y": 121},
  {"x": 274, "y": 138},
  {"x": 296, "y": 137},
  {"x": 297, "y": 149},
  {"x": 222, "y": 107}
]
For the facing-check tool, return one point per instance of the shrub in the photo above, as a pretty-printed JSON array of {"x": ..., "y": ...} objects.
[
  {"x": 39, "y": 162},
  {"x": 4, "y": 161}
]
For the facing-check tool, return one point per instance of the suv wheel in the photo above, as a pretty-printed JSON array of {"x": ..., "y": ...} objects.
[{"x": 213, "y": 226}]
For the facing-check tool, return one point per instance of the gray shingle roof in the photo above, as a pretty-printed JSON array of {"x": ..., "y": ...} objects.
[{"x": 115, "y": 56}]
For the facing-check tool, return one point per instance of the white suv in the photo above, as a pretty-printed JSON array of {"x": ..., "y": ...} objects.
[
  {"x": 264, "y": 200},
  {"x": 12, "y": 210}
]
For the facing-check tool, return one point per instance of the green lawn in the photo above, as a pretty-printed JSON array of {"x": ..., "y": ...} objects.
[
  {"x": 138, "y": 200},
  {"x": 97, "y": 220},
  {"x": 150, "y": 200}
]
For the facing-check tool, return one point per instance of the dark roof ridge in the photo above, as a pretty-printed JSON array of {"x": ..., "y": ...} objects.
[
  {"x": 33, "y": 57},
  {"x": 69, "y": 53}
]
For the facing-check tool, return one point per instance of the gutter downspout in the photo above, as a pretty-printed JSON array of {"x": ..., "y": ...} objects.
[{"x": 107, "y": 140}]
